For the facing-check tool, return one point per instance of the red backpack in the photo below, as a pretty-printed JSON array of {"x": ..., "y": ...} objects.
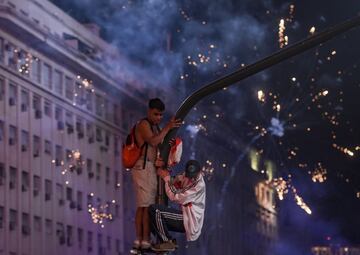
[{"x": 131, "y": 151}]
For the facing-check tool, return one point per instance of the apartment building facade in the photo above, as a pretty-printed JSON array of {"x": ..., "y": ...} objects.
[{"x": 62, "y": 120}]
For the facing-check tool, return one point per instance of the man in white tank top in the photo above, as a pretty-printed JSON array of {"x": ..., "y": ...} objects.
[{"x": 148, "y": 133}]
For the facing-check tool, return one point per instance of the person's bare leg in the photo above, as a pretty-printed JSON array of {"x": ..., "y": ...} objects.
[
  {"x": 146, "y": 224},
  {"x": 139, "y": 222}
]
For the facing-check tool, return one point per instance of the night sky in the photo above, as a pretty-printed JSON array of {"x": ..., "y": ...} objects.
[{"x": 313, "y": 97}]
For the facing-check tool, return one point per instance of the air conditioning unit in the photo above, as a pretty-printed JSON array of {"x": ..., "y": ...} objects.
[
  {"x": 36, "y": 154},
  {"x": 24, "y": 188},
  {"x": 12, "y": 226},
  {"x": 61, "y": 240},
  {"x": 11, "y": 141},
  {"x": 91, "y": 139},
  {"x": 35, "y": 192},
  {"x": 23, "y": 148},
  {"x": 61, "y": 202},
  {"x": 72, "y": 205},
  {"x": 23, "y": 107},
  {"x": 79, "y": 207},
  {"x": 103, "y": 148},
  {"x": 81, "y": 135},
  {"x": 11, "y": 185},
  {"x": 60, "y": 125},
  {"x": 57, "y": 162},
  {"x": 38, "y": 114},
  {"x": 91, "y": 175},
  {"x": 12, "y": 101},
  {"x": 25, "y": 230},
  {"x": 47, "y": 196},
  {"x": 79, "y": 170},
  {"x": 70, "y": 129}
]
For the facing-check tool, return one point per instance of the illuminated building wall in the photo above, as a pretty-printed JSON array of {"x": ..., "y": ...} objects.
[
  {"x": 335, "y": 250},
  {"x": 60, "y": 135}
]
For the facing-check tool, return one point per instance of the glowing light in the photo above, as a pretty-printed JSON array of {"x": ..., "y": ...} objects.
[
  {"x": 312, "y": 30},
  {"x": 261, "y": 96},
  {"x": 283, "y": 40},
  {"x": 319, "y": 174},
  {"x": 99, "y": 215},
  {"x": 302, "y": 204}
]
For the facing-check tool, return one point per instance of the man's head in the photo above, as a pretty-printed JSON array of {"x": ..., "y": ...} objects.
[
  {"x": 155, "y": 111},
  {"x": 192, "y": 169}
]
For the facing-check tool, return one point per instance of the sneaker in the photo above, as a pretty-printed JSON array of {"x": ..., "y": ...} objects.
[
  {"x": 175, "y": 243},
  {"x": 145, "y": 245},
  {"x": 165, "y": 246},
  {"x": 136, "y": 244}
]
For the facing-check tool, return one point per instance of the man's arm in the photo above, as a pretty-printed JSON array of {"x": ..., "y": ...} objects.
[
  {"x": 179, "y": 196},
  {"x": 145, "y": 132}
]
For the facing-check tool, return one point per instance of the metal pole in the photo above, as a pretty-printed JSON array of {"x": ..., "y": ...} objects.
[{"x": 247, "y": 71}]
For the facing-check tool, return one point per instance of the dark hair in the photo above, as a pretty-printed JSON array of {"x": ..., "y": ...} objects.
[
  {"x": 156, "y": 103},
  {"x": 192, "y": 168}
]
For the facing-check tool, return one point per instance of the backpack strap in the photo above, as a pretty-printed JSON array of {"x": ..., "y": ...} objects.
[{"x": 146, "y": 144}]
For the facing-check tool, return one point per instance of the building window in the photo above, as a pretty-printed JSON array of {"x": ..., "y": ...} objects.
[
  {"x": 12, "y": 95},
  {"x": 1, "y": 50},
  {"x": 23, "y": 63},
  {"x": 99, "y": 137},
  {"x": 80, "y": 237},
  {"x": 108, "y": 243},
  {"x": 69, "y": 230},
  {"x": 37, "y": 185},
  {"x": 2, "y": 89},
  {"x": 25, "y": 181},
  {"x": 48, "y": 109},
  {"x": 89, "y": 168},
  {"x": 89, "y": 200},
  {"x": 89, "y": 100},
  {"x": 107, "y": 175},
  {"x": 58, "y": 82},
  {"x": 60, "y": 233},
  {"x": 12, "y": 135},
  {"x": 2, "y": 173},
  {"x": 59, "y": 155},
  {"x": 48, "y": 190},
  {"x": 69, "y": 197},
  {"x": 69, "y": 88},
  {"x": 11, "y": 56},
  {"x": 69, "y": 122},
  {"x": 99, "y": 105},
  {"x": 37, "y": 223},
  {"x": 59, "y": 118},
  {"x": 60, "y": 193},
  {"x": 48, "y": 148},
  {"x": 46, "y": 76},
  {"x": 36, "y": 146},
  {"x": 79, "y": 92},
  {"x": 25, "y": 226},
  {"x": 117, "y": 179},
  {"x": 90, "y": 132},
  {"x": 108, "y": 110},
  {"x": 116, "y": 113},
  {"x": 1, "y": 217},
  {"x": 13, "y": 220},
  {"x": 13, "y": 178},
  {"x": 100, "y": 246},
  {"x": 116, "y": 146},
  {"x": 1, "y": 130},
  {"x": 79, "y": 201},
  {"x": 89, "y": 241},
  {"x": 25, "y": 100},
  {"x": 98, "y": 171},
  {"x": 24, "y": 140},
  {"x": 35, "y": 70},
  {"x": 48, "y": 227},
  {"x": 37, "y": 106},
  {"x": 80, "y": 128}
]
